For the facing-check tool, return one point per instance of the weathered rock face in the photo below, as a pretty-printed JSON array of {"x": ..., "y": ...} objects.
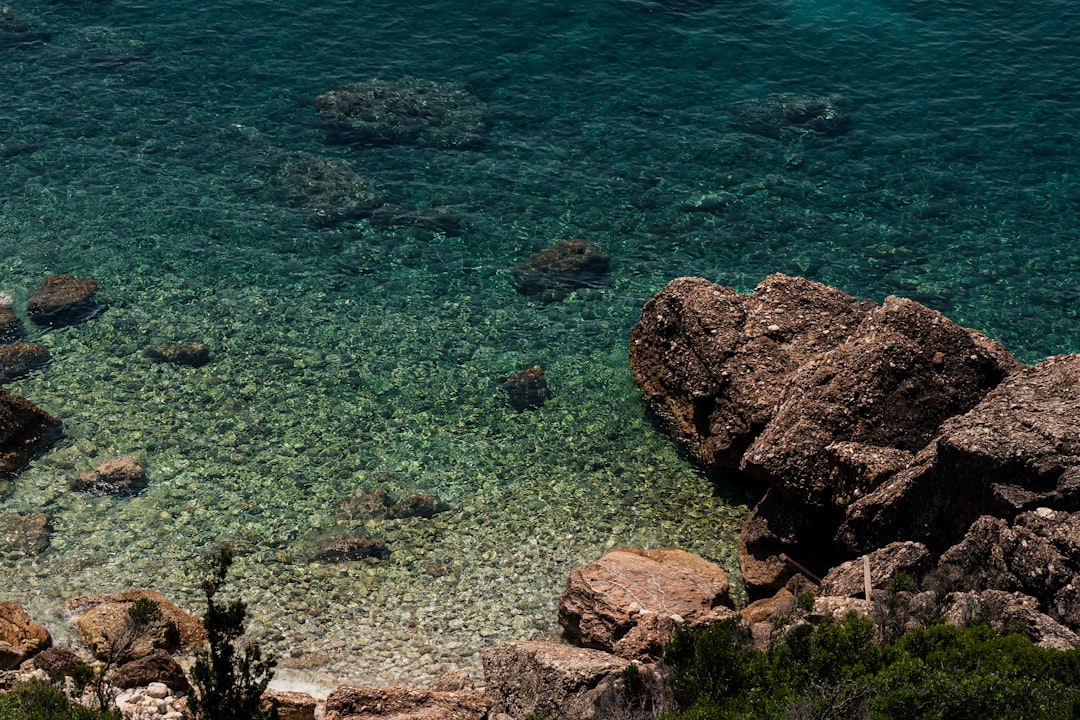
[
  {"x": 848, "y": 579},
  {"x": 63, "y": 299},
  {"x": 712, "y": 364},
  {"x": 554, "y": 272},
  {"x": 105, "y": 624},
  {"x": 157, "y": 666},
  {"x": 24, "y": 429},
  {"x": 21, "y": 358},
  {"x": 290, "y": 705},
  {"x": 629, "y": 602},
  {"x": 57, "y": 661},
  {"x": 352, "y": 702},
  {"x": 1004, "y": 609},
  {"x": 410, "y": 111},
  {"x": 558, "y": 682},
  {"x": 20, "y": 637},
  {"x": 904, "y": 371},
  {"x": 779, "y": 540},
  {"x": 1016, "y": 450}
]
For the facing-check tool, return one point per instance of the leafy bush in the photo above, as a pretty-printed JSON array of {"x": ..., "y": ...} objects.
[
  {"x": 231, "y": 676},
  {"x": 38, "y": 700},
  {"x": 835, "y": 670}
]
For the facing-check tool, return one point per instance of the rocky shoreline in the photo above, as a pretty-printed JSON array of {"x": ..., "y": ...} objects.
[{"x": 885, "y": 439}]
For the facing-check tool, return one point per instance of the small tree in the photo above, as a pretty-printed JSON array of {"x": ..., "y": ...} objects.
[{"x": 231, "y": 676}]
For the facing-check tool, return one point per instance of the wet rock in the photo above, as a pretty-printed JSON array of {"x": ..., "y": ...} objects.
[
  {"x": 1016, "y": 450},
  {"x": 24, "y": 430},
  {"x": 57, "y": 661},
  {"x": 527, "y": 389},
  {"x": 62, "y": 300},
  {"x": 328, "y": 189},
  {"x": 410, "y": 111},
  {"x": 117, "y": 476},
  {"x": 21, "y": 358},
  {"x": 788, "y": 115},
  {"x": 10, "y": 325},
  {"x": 104, "y": 625},
  {"x": 348, "y": 549},
  {"x": 25, "y": 533},
  {"x": 20, "y": 637},
  {"x": 556, "y": 271},
  {"x": 194, "y": 354},
  {"x": 629, "y": 602},
  {"x": 558, "y": 682},
  {"x": 848, "y": 579},
  {"x": 289, "y": 705},
  {"x": 712, "y": 364},
  {"x": 353, "y": 702},
  {"x": 156, "y": 667}
]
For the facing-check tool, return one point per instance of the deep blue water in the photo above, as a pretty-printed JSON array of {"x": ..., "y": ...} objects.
[{"x": 138, "y": 143}]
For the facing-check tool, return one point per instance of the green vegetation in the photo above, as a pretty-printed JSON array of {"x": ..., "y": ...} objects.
[
  {"x": 231, "y": 676},
  {"x": 38, "y": 700},
  {"x": 835, "y": 670}
]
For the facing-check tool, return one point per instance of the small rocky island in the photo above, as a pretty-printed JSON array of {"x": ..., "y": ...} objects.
[{"x": 884, "y": 439}]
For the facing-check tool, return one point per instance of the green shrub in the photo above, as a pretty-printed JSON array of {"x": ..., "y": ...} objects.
[
  {"x": 835, "y": 670},
  {"x": 232, "y": 675},
  {"x": 37, "y": 700}
]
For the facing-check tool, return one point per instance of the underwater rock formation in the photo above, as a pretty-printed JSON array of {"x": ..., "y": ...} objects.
[
  {"x": 556, "y": 271},
  {"x": 21, "y": 358},
  {"x": 24, "y": 429},
  {"x": 10, "y": 325},
  {"x": 117, "y": 476},
  {"x": 527, "y": 389},
  {"x": 62, "y": 300},
  {"x": 785, "y": 114},
  {"x": 194, "y": 354},
  {"x": 328, "y": 189},
  {"x": 409, "y": 111}
]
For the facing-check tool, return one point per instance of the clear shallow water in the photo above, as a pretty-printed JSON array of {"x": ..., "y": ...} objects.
[{"x": 136, "y": 147}]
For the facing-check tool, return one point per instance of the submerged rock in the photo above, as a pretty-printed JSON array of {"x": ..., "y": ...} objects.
[
  {"x": 787, "y": 114},
  {"x": 355, "y": 548},
  {"x": 62, "y": 300},
  {"x": 21, "y": 358},
  {"x": 24, "y": 429},
  {"x": 435, "y": 219},
  {"x": 10, "y": 325},
  {"x": 26, "y": 533},
  {"x": 118, "y": 476},
  {"x": 194, "y": 354},
  {"x": 556, "y": 271},
  {"x": 409, "y": 111},
  {"x": 527, "y": 389},
  {"x": 327, "y": 188}
]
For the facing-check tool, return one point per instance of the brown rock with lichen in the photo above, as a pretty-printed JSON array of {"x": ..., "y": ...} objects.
[
  {"x": 10, "y": 326},
  {"x": 116, "y": 476}
]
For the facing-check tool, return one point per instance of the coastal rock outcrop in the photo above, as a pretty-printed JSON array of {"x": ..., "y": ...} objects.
[
  {"x": 24, "y": 429},
  {"x": 629, "y": 602},
  {"x": 20, "y": 636},
  {"x": 156, "y": 666},
  {"x": 558, "y": 682},
  {"x": 410, "y": 111},
  {"x": 354, "y": 702},
  {"x": 879, "y": 430},
  {"x": 105, "y": 625}
]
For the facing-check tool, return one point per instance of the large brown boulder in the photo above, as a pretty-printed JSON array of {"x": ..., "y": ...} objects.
[
  {"x": 21, "y": 358},
  {"x": 106, "y": 628},
  {"x": 353, "y": 702},
  {"x": 629, "y": 602},
  {"x": 1016, "y": 450},
  {"x": 849, "y": 579},
  {"x": 24, "y": 429},
  {"x": 779, "y": 540},
  {"x": 712, "y": 364},
  {"x": 157, "y": 666},
  {"x": 562, "y": 682},
  {"x": 20, "y": 637},
  {"x": 905, "y": 371}
]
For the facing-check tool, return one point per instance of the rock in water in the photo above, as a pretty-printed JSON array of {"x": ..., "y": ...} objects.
[{"x": 62, "y": 300}]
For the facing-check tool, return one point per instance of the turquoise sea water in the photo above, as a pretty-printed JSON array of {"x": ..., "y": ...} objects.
[{"x": 138, "y": 146}]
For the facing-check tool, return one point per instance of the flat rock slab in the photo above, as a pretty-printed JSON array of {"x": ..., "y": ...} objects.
[
  {"x": 629, "y": 602},
  {"x": 353, "y": 702}
]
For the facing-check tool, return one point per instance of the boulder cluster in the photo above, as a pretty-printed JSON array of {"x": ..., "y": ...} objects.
[{"x": 884, "y": 435}]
